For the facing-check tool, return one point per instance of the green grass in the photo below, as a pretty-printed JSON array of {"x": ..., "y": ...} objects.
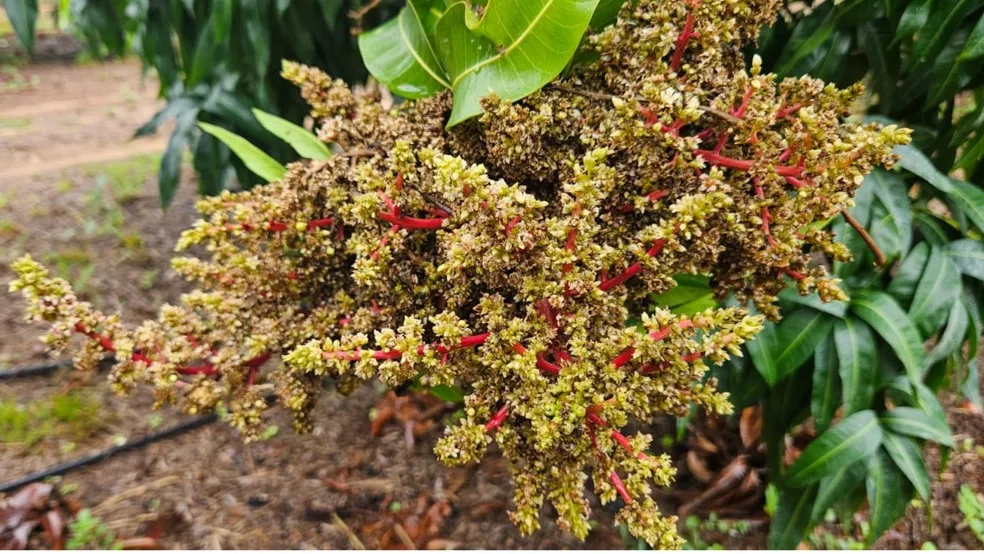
[
  {"x": 15, "y": 122},
  {"x": 64, "y": 415},
  {"x": 125, "y": 178}
]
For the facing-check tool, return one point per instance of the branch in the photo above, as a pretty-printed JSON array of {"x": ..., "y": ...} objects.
[{"x": 880, "y": 258}]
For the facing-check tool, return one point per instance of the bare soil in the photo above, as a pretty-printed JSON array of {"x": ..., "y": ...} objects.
[{"x": 77, "y": 192}]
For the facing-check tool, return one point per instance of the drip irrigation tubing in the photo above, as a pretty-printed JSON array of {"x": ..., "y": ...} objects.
[{"x": 34, "y": 370}]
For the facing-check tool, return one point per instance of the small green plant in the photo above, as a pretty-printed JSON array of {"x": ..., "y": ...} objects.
[
  {"x": 972, "y": 509},
  {"x": 697, "y": 528},
  {"x": 88, "y": 532},
  {"x": 71, "y": 414}
]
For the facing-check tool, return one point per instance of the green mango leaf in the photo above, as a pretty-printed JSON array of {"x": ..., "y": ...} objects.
[
  {"x": 952, "y": 338},
  {"x": 763, "y": 352},
  {"x": 605, "y": 14},
  {"x": 888, "y": 494},
  {"x": 205, "y": 52},
  {"x": 913, "y": 422},
  {"x": 826, "y": 391},
  {"x": 913, "y": 18},
  {"x": 687, "y": 289},
  {"x": 911, "y": 159},
  {"x": 903, "y": 285},
  {"x": 222, "y": 19},
  {"x": 518, "y": 47},
  {"x": 972, "y": 154},
  {"x": 974, "y": 47},
  {"x": 402, "y": 57},
  {"x": 792, "y": 518},
  {"x": 23, "y": 15},
  {"x": 908, "y": 457},
  {"x": 170, "y": 172},
  {"x": 809, "y": 37},
  {"x": 874, "y": 38},
  {"x": 949, "y": 73},
  {"x": 300, "y": 139},
  {"x": 837, "y": 308},
  {"x": 857, "y": 360},
  {"x": 254, "y": 158},
  {"x": 943, "y": 20},
  {"x": 970, "y": 198},
  {"x": 329, "y": 11},
  {"x": 880, "y": 310},
  {"x": 935, "y": 294},
  {"x": 798, "y": 335},
  {"x": 838, "y": 486},
  {"x": 892, "y": 191},
  {"x": 854, "y": 438},
  {"x": 864, "y": 200},
  {"x": 448, "y": 393},
  {"x": 931, "y": 228}
]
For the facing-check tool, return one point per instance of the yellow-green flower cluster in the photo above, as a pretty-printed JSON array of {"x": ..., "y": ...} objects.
[{"x": 506, "y": 255}]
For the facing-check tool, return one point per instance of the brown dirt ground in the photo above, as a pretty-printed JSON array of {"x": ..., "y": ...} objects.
[{"x": 65, "y": 149}]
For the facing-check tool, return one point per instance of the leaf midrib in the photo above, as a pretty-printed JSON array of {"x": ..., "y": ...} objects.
[
  {"x": 416, "y": 56},
  {"x": 823, "y": 458},
  {"x": 515, "y": 44},
  {"x": 905, "y": 344}
]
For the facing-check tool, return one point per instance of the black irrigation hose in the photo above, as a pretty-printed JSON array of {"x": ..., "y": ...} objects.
[
  {"x": 66, "y": 467},
  {"x": 34, "y": 370}
]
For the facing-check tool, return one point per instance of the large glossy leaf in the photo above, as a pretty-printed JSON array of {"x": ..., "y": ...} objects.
[
  {"x": 913, "y": 18},
  {"x": 516, "y": 48},
  {"x": 798, "y": 335},
  {"x": 864, "y": 199},
  {"x": 836, "y": 308},
  {"x": 908, "y": 457},
  {"x": 300, "y": 139},
  {"x": 808, "y": 37},
  {"x": 913, "y": 422},
  {"x": 23, "y": 15},
  {"x": 972, "y": 155},
  {"x": 891, "y": 190},
  {"x": 943, "y": 19},
  {"x": 402, "y": 57},
  {"x": 763, "y": 352},
  {"x": 838, "y": 486},
  {"x": 885, "y": 316},
  {"x": 857, "y": 360},
  {"x": 915, "y": 161},
  {"x": 935, "y": 294},
  {"x": 903, "y": 285},
  {"x": 826, "y": 392},
  {"x": 254, "y": 158},
  {"x": 853, "y": 438},
  {"x": 950, "y": 74},
  {"x": 888, "y": 494},
  {"x": 792, "y": 518},
  {"x": 222, "y": 19},
  {"x": 953, "y": 337},
  {"x": 970, "y": 199},
  {"x": 605, "y": 14},
  {"x": 931, "y": 228},
  {"x": 974, "y": 47}
]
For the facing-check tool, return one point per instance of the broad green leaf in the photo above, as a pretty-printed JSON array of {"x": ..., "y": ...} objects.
[
  {"x": 903, "y": 285},
  {"x": 974, "y": 47},
  {"x": 931, "y": 407},
  {"x": 797, "y": 336},
  {"x": 687, "y": 289},
  {"x": 892, "y": 191},
  {"x": 837, "y": 308},
  {"x": 838, "y": 486},
  {"x": 915, "y": 161},
  {"x": 300, "y": 139},
  {"x": 255, "y": 159},
  {"x": 516, "y": 48},
  {"x": 931, "y": 228},
  {"x": 943, "y": 20},
  {"x": 222, "y": 19},
  {"x": 792, "y": 518},
  {"x": 826, "y": 392},
  {"x": 401, "y": 56},
  {"x": 785, "y": 404},
  {"x": 949, "y": 73},
  {"x": 972, "y": 155},
  {"x": 170, "y": 173},
  {"x": 953, "y": 337},
  {"x": 970, "y": 389},
  {"x": 970, "y": 199},
  {"x": 857, "y": 360},
  {"x": 448, "y": 393},
  {"x": 885, "y": 316},
  {"x": 329, "y": 11},
  {"x": 913, "y": 422},
  {"x": 23, "y": 15},
  {"x": 854, "y": 438},
  {"x": 908, "y": 457},
  {"x": 257, "y": 31},
  {"x": 696, "y": 305},
  {"x": 886, "y": 232},
  {"x": 864, "y": 199},
  {"x": 888, "y": 494},
  {"x": 913, "y": 18},
  {"x": 205, "y": 53},
  {"x": 935, "y": 294},
  {"x": 605, "y": 14},
  {"x": 808, "y": 38},
  {"x": 874, "y": 38},
  {"x": 763, "y": 352}
]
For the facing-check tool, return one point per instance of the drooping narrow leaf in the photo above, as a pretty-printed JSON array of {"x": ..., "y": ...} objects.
[
  {"x": 797, "y": 336},
  {"x": 908, "y": 457},
  {"x": 935, "y": 294},
  {"x": 915, "y": 161},
  {"x": 913, "y": 422},
  {"x": 891, "y": 190},
  {"x": 880, "y": 310},
  {"x": 953, "y": 336},
  {"x": 792, "y": 518},
  {"x": 857, "y": 362},
  {"x": 972, "y": 154},
  {"x": 402, "y": 57},
  {"x": 903, "y": 285},
  {"x": 943, "y": 19},
  {"x": 888, "y": 494},
  {"x": 913, "y": 18},
  {"x": 930, "y": 228},
  {"x": 23, "y": 15},
  {"x": 170, "y": 174},
  {"x": 762, "y": 351},
  {"x": 255, "y": 159},
  {"x": 222, "y": 19},
  {"x": 826, "y": 392},
  {"x": 605, "y": 14},
  {"x": 874, "y": 38},
  {"x": 970, "y": 199},
  {"x": 300, "y": 139},
  {"x": 853, "y": 438},
  {"x": 516, "y": 48},
  {"x": 974, "y": 47},
  {"x": 838, "y": 486}
]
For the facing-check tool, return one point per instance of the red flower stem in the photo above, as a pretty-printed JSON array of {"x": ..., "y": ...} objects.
[
  {"x": 786, "y": 112},
  {"x": 796, "y": 182},
  {"x": 657, "y": 194},
  {"x": 740, "y": 112},
  {"x": 497, "y": 420},
  {"x": 470, "y": 341},
  {"x": 620, "y": 487},
  {"x": 398, "y": 182},
  {"x": 633, "y": 269},
  {"x": 511, "y": 224},
  {"x": 548, "y": 367},
  {"x": 785, "y": 154},
  {"x": 319, "y": 223},
  {"x": 794, "y": 274},
  {"x": 624, "y": 358},
  {"x": 745, "y": 165},
  {"x": 412, "y": 222},
  {"x": 682, "y": 40}
]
